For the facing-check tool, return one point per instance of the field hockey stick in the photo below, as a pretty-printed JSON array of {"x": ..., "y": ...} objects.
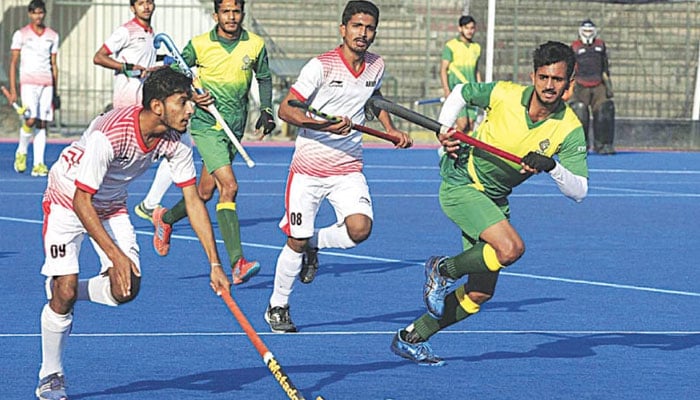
[
  {"x": 435, "y": 126},
  {"x": 334, "y": 119},
  {"x": 270, "y": 361},
  {"x": 21, "y": 111},
  {"x": 163, "y": 38}
]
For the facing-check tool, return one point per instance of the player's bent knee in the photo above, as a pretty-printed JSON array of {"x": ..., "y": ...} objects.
[
  {"x": 478, "y": 297},
  {"x": 135, "y": 289}
]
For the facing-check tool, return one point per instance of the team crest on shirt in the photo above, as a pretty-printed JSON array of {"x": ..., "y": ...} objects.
[
  {"x": 247, "y": 63},
  {"x": 544, "y": 145}
]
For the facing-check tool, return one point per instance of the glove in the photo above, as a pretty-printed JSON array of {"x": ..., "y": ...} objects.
[
  {"x": 538, "y": 162},
  {"x": 56, "y": 102},
  {"x": 266, "y": 121}
]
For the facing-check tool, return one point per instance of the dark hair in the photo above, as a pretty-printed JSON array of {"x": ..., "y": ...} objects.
[
  {"x": 163, "y": 83},
  {"x": 217, "y": 4},
  {"x": 34, "y": 4},
  {"x": 553, "y": 52},
  {"x": 466, "y": 19},
  {"x": 359, "y": 7}
]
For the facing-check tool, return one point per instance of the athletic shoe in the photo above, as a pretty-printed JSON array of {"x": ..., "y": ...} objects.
[
  {"x": 143, "y": 212},
  {"x": 244, "y": 270},
  {"x": 53, "y": 387},
  {"x": 436, "y": 287},
  {"x": 309, "y": 265},
  {"x": 279, "y": 319},
  {"x": 421, "y": 353},
  {"x": 20, "y": 162},
  {"x": 161, "y": 236}
]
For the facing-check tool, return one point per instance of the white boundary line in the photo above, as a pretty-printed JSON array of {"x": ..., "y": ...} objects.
[{"x": 356, "y": 333}]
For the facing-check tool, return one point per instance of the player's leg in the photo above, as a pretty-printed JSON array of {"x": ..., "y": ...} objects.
[
  {"x": 102, "y": 289},
  {"x": 580, "y": 105},
  {"x": 63, "y": 235},
  {"x": 30, "y": 99},
  {"x": 352, "y": 203},
  {"x": 45, "y": 113},
  {"x": 303, "y": 197},
  {"x": 603, "y": 121}
]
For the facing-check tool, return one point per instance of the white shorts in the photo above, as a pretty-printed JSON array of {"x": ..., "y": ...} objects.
[
  {"x": 63, "y": 235},
  {"x": 348, "y": 194},
  {"x": 39, "y": 101}
]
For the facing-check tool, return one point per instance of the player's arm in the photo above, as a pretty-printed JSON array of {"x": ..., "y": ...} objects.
[
  {"x": 298, "y": 117},
  {"x": 14, "y": 62},
  {"x": 122, "y": 265},
  {"x": 103, "y": 58},
  {"x": 201, "y": 224},
  {"x": 54, "y": 72},
  {"x": 266, "y": 121},
  {"x": 444, "y": 65}
]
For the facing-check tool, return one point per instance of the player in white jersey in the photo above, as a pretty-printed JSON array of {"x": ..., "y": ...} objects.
[
  {"x": 33, "y": 50},
  {"x": 86, "y": 194},
  {"x": 130, "y": 52},
  {"x": 327, "y": 161}
]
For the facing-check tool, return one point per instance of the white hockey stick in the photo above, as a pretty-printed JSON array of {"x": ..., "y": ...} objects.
[{"x": 163, "y": 38}]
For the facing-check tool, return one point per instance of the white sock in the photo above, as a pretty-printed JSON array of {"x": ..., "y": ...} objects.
[
  {"x": 334, "y": 236},
  {"x": 286, "y": 271},
  {"x": 161, "y": 184},
  {"x": 24, "y": 138},
  {"x": 39, "y": 146},
  {"x": 55, "y": 329},
  {"x": 97, "y": 290}
]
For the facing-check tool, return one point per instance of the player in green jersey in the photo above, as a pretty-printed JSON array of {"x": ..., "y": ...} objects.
[
  {"x": 460, "y": 64},
  {"x": 226, "y": 58},
  {"x": 533, "y": 120}
]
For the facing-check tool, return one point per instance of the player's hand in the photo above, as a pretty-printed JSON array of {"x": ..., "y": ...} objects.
[
  {"x": 343, "y": 127},
  {"x": 404, "y": 142},
  {"x": 266, "y": 121},
  {"x": 450, "y": 145},
  {"x": 203, "y": 99},
  {"x": 536, "y": 163},
  {"x": 218, "y": 279},
  {"x": 120, "y": 273},
  {"x": 56, "y": 101}
]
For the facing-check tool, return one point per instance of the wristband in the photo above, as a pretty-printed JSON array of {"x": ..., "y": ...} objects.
[{"x": 215, "y": 265}]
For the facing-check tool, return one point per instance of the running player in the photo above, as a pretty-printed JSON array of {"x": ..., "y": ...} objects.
[
  {"x": 327, "y": 162},
  {"x": 226, "y": 58},
  {"x": 531, "y": 120},
  {"x": 34, "y": 48},
  {"x": 87, "y": 193}
]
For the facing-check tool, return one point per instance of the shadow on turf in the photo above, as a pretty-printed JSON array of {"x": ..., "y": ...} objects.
[{"x": 584, "y": 346}]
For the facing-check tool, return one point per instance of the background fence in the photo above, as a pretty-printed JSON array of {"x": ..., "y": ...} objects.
[{"x": 653, "y": 47}]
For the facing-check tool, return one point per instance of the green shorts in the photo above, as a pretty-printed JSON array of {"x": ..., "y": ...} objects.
[
  {"x": 471, "y": 210},
  {"x": 215, "y": 147}
]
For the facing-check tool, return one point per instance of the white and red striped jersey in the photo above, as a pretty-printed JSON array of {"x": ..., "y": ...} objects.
[
  {"x": 333, "y": 87},
  {"x": 130, "y": 43},
  {"x": 108, "y": 156},
  {"x": 35, "y": 51}
]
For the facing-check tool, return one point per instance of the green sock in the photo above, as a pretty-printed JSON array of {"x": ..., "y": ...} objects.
[
  {"x": 467, "y": 262},
  {"x": 230, "y": 230},
  {"x": 426, "y": 326},
  {"x": 178, "y": 212}
]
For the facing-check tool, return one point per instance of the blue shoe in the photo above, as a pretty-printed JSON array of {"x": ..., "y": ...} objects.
[
  {"x": 53, "y": 387},
  {"x": 436, "y": 287},
  {"x": 421, "y": 353}
]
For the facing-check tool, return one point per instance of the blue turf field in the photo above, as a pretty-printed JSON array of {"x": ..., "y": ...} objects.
[{"x": 603, "y": 305}]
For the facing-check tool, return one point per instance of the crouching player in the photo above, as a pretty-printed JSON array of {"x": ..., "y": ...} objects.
[{"x": 86, "y": 193}]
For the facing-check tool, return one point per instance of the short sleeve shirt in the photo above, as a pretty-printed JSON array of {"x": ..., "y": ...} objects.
[{"x": 35, "y": 55}]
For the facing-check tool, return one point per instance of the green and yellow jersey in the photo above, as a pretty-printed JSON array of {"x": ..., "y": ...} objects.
[
  {"x": 463, "y": 58},
  {"x": 508, "y": 127},
  {"x": 225, "y": 68}
]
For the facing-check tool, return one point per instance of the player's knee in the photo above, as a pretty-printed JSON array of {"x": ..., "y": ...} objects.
[
  {"x": 63, "y": 296},
  {"x": 229, "y": 191},
  {"x": 135, "y": 289},
  {"x": 510, "y": 251},
  {"x": 359, "y": 231},
  {"x": 479, "y": 297},
  {"x": 205, "y": 194}
]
